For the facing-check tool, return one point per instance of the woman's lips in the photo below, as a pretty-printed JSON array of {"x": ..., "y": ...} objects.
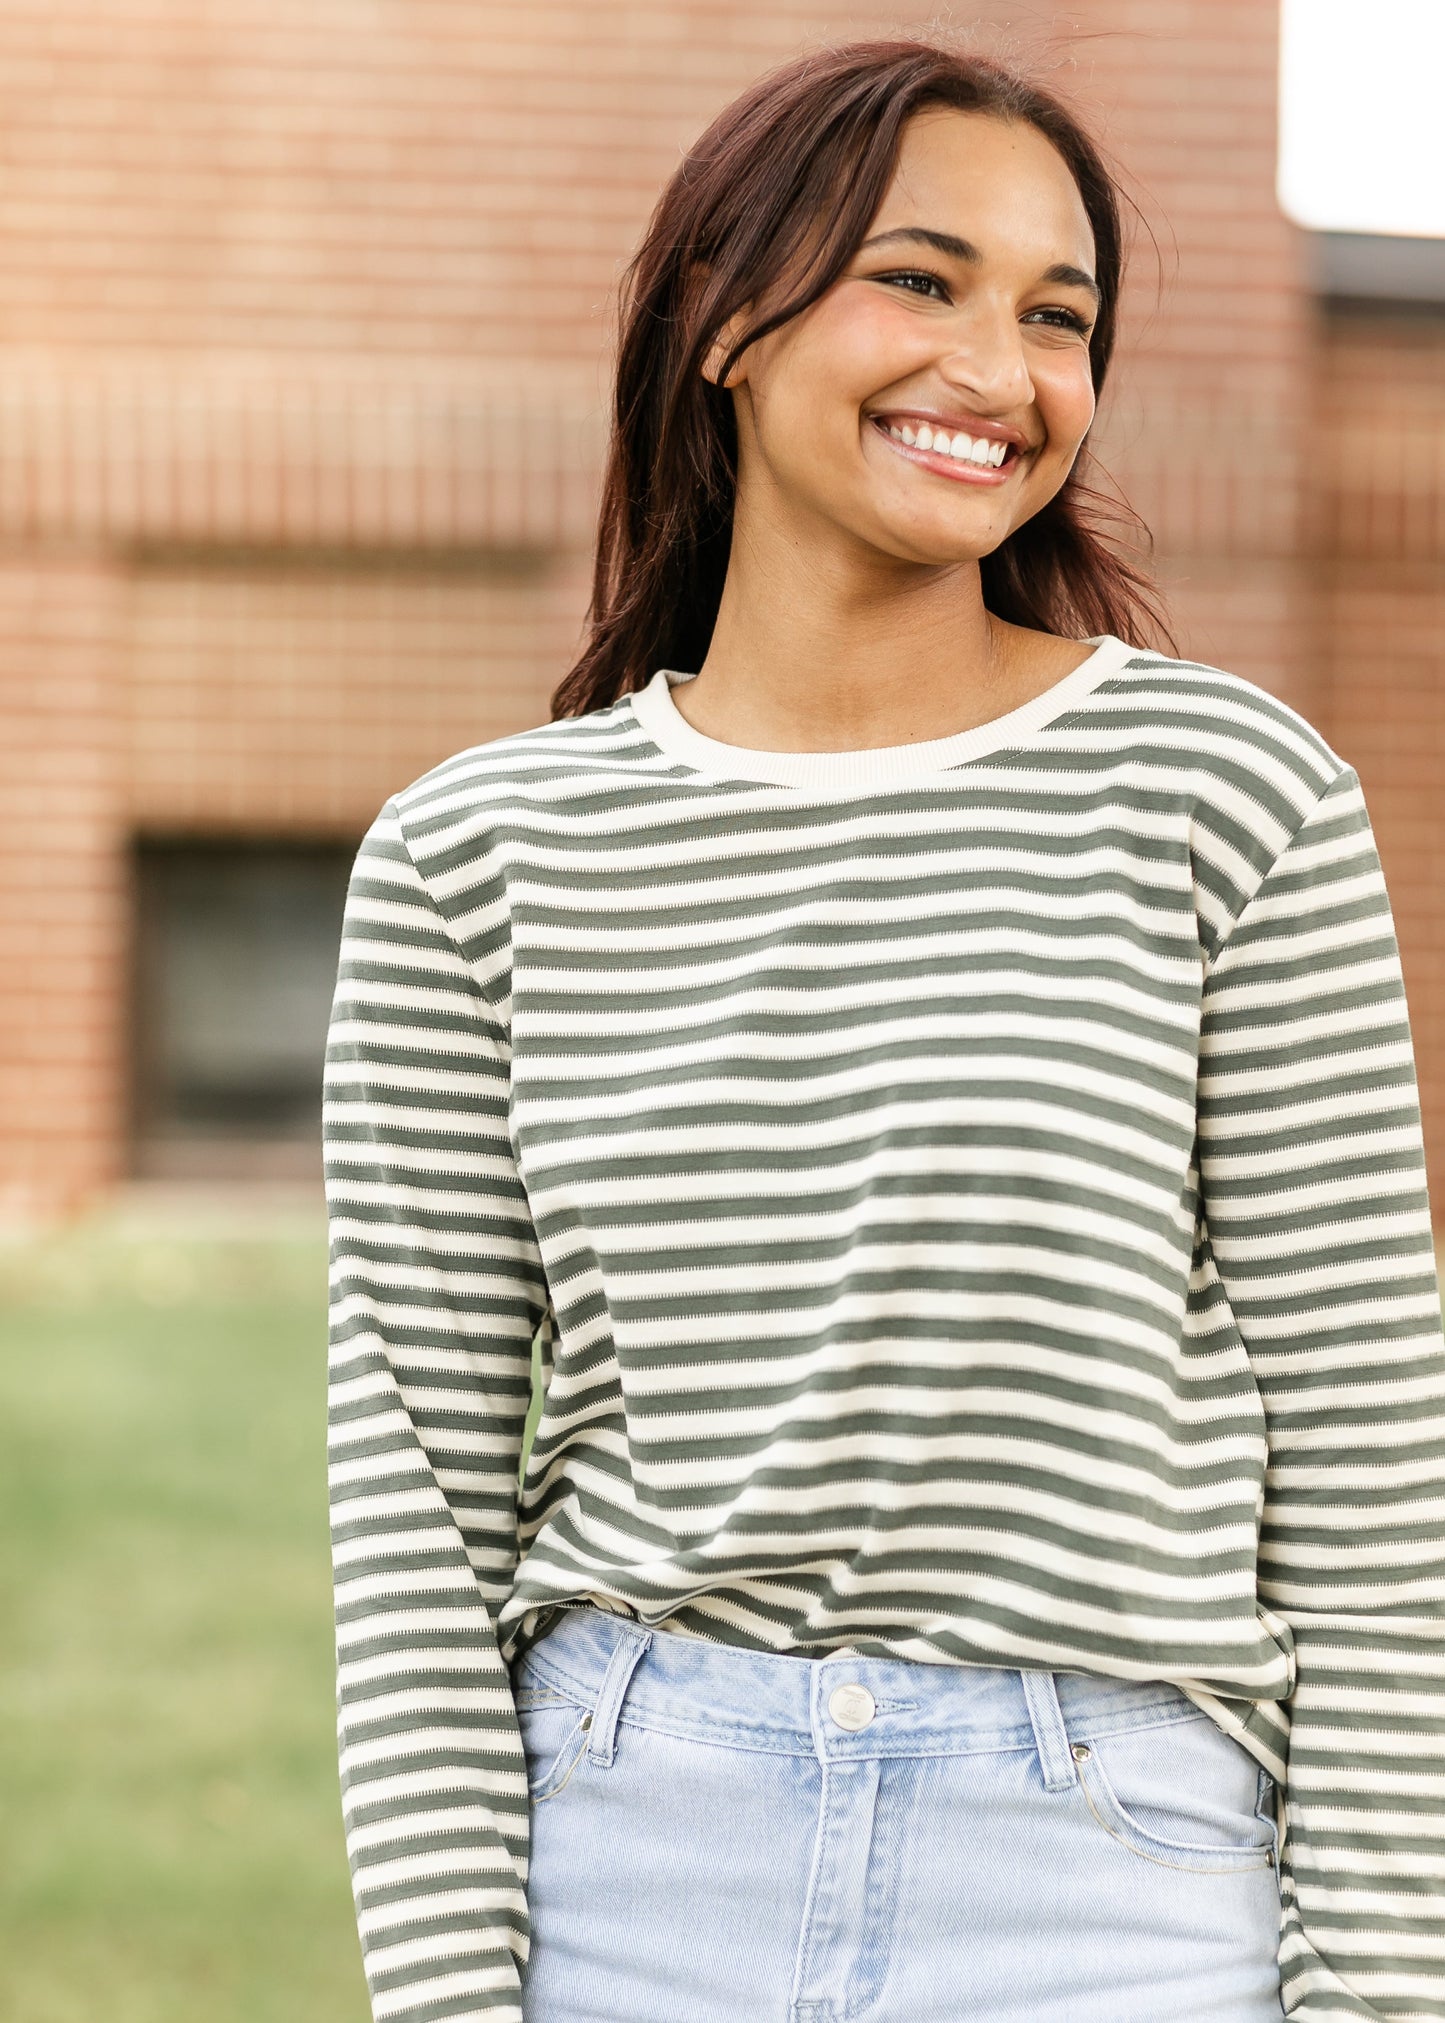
[{"x": 951, "y": 467}]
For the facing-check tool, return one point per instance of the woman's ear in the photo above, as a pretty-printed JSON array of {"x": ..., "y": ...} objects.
[
  {"x": 698, "y": 275},
  {"x": 721, "y": 345}
]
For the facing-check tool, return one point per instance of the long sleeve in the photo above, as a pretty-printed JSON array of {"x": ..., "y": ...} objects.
[
  {"x": 1314, "y": 1197},
  {"x": 437, "y": 1291}
]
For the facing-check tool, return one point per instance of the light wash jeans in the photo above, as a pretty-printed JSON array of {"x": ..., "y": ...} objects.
[{"x": 729, "y": 1836}]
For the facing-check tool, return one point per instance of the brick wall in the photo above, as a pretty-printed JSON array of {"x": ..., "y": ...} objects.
[
  {"x": 304, "y": 318},
  {"x": 62, "y": 899},
  {"x": 1377, "y": 540}
]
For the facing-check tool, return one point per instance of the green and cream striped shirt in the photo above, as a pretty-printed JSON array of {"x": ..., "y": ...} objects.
[{"x": 967, "y": 1200}]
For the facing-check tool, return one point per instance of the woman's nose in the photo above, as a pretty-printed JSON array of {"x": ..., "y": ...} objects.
[{"x": 987, "y": 359}]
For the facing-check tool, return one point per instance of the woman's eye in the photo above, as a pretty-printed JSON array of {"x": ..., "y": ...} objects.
[
  {"x": 909, "y": 279},
  {"x": 1068, "y": 319}
]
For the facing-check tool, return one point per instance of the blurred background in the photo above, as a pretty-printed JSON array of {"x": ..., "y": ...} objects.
[{"x": 305, "y": 325}]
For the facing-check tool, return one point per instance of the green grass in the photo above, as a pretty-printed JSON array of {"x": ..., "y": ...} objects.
[{"x": 169, "y": 1811}]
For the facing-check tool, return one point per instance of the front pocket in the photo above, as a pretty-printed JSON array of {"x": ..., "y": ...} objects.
[
  {"x": 1180, "y": 1793},
  {"x": 554, "y": 1734}
]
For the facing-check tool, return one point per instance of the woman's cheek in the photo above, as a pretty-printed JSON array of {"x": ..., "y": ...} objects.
[
  {"x": 1066, "y": 401},
  {"x": 870, "y": 349}
]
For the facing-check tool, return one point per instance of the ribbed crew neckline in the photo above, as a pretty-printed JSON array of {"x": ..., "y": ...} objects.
[{"x": 872, "y": 765}]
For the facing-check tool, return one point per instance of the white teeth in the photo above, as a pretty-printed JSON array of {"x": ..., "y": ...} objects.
[{"x": 962, "y": 448}]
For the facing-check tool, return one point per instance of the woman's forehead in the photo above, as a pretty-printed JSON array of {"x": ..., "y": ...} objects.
[{"x": 998, "y": 183}]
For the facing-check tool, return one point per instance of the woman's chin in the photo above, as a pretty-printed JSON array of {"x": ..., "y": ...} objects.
[{"x": 940, "y": 543}]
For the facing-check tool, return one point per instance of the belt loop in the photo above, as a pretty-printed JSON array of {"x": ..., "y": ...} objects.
[
  {"x": 1052, "y": 1736},
  {"x": 632, "y": 1641}
]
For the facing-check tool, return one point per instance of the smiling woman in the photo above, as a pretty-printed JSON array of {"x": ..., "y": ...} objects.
[
  {"x": 897, "y": 233},
  {"x": 927, "y": 1071},
  {"x": 979, "y": 348}
]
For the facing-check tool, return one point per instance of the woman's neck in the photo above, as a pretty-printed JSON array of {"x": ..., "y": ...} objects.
[{"x": 815, "y": 650}]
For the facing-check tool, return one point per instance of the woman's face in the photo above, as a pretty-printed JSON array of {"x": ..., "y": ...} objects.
[{"x": 965, "y": 313}]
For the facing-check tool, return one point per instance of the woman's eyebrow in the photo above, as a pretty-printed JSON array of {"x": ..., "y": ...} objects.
[{"x": 964, "y": 249}]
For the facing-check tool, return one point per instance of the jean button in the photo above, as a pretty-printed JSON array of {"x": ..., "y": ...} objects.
[{"x": 851, "y": 1706}]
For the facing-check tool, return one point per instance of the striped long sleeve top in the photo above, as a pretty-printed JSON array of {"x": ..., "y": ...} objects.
[{"x": 964, "y": 1200}]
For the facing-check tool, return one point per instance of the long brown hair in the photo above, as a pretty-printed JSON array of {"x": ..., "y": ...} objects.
[{"x": 792, "y": 173}]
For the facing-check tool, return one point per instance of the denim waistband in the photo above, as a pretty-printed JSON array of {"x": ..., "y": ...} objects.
[{"x": 624, "y": 1669}]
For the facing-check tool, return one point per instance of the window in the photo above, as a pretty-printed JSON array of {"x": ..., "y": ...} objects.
[
  {"x": 1361, "y": 141},
  {"x": 235, "y": 966}
]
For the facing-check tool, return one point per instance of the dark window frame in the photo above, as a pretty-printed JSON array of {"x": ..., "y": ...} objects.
[{"x": 187, "y": 1118}]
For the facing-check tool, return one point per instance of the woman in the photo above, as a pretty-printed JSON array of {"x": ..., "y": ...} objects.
[{"x": 931, "y": 1074}]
